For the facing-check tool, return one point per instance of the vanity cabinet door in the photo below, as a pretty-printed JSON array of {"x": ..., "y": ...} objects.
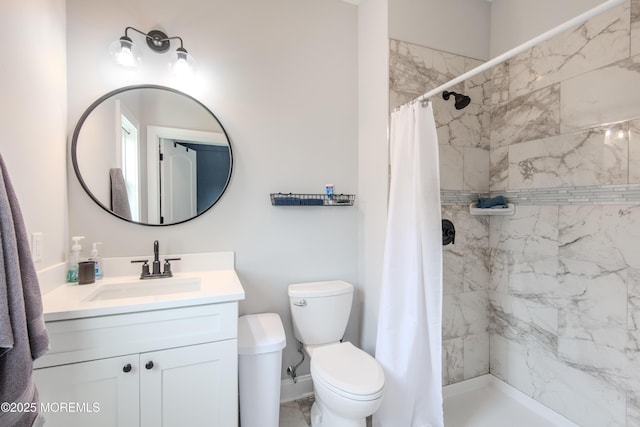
[
  {"x": 99, "y": 393},
  {"x": 190, "y": 386}
]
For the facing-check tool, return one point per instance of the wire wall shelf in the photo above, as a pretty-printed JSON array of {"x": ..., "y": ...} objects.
[{"x": 298, "y": 199}]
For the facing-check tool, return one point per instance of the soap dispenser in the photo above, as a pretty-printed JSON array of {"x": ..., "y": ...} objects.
[
  {"x": 96, "y": 260},
  {"x": 74, "y": 258}
]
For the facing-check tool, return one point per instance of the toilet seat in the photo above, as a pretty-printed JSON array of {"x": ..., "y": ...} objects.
[{"x": 347, "y": 371}]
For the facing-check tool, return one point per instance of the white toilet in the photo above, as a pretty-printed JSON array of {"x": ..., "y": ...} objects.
[{"x": 348, "y": 382}]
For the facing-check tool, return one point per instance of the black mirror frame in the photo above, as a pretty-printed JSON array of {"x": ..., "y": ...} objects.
[{"x": 95, "y": 104}]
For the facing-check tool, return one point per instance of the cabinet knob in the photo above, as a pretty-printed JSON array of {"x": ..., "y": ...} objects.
[
  {"x": 127, "y": 367},
  {"x": 149, "y": 365}
]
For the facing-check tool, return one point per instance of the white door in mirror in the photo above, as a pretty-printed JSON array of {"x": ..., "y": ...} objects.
[{"x": 178, "y": 182}]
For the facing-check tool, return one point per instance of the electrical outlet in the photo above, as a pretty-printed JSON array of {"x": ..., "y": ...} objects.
[{"x": 37, "y": 246}]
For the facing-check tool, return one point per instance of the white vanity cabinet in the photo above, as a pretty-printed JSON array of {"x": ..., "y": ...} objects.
[
  {"x": 102, "y": 382},
  {"x": 171, "y": 367}
]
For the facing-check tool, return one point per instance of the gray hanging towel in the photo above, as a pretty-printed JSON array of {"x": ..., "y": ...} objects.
[
  {"x": 119, "y": 196},
  {"x": 23, "y": 337}
]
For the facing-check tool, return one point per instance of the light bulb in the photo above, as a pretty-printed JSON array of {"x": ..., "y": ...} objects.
[
  {"x": 182, "y": 64},
  {"x": 125, "y": 53},
  {"x": 125, "y": 57}
]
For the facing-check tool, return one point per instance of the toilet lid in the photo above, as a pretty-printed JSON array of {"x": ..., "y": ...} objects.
[{"x": 347, "y": 369}]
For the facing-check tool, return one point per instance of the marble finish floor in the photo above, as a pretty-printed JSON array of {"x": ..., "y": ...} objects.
[{"x": 297, "y": 413}]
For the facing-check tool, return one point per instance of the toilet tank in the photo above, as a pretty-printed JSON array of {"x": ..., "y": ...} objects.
[{"x": 320, "y": 310}]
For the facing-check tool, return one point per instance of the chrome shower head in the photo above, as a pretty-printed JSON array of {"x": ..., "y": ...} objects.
[{"x": 461, "y": 100}]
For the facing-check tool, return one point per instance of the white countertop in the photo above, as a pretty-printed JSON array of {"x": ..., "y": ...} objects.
[{"x": 74, "y": 301}]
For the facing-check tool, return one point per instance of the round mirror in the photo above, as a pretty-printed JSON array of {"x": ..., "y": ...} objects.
[{"x": 151, "y": 155}]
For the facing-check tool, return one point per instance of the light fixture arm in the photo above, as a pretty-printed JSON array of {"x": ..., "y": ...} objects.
[{"x": 156, "y": 40}]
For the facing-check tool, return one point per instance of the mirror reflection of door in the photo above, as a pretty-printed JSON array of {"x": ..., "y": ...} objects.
[
  {"x": 178, "y": 181},
  {"x": 192, "y": 176}
]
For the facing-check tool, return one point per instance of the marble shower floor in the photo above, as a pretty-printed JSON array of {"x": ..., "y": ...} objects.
[{"x": 479, "y": 404}]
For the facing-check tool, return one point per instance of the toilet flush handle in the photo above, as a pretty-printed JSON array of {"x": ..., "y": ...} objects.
[{"x": 300, "y": 303}]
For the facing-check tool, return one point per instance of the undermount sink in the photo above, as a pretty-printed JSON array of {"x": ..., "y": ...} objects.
[{"x": 145, "y": 288}]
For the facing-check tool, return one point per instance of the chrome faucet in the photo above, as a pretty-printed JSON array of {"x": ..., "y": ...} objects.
[{"x": 156, "y": 274}]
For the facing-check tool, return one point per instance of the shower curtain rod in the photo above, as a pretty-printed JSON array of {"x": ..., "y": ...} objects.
[{"x": 521, "y": 48}]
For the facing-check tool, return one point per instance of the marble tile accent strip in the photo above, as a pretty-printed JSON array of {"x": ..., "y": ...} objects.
[
  {"x": 627, "y": 194},
  {"x": 452, "y": 197}
]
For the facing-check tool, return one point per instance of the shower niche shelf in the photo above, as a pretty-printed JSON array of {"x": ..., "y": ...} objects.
[
  {"x": 509, "y": 210},
  {"x": 302, "y": 199}
]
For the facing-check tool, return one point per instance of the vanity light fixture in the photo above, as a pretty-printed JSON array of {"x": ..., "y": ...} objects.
[{"x": 128, "y": 54}]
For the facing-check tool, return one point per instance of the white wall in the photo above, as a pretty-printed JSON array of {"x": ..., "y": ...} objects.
[
  {"x": 33, "y": 116},
  {"x": 456, "y": 26},
  {"x": 282, "y": 78},
  {"x": 373, "y": 158},
  {"x": 514, "y": 22}
]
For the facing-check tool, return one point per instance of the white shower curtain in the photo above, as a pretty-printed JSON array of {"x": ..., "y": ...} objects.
[{"x": 409, "y": 339}]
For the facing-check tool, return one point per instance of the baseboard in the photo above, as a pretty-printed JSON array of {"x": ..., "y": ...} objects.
[{"x": 290, "y": 391}]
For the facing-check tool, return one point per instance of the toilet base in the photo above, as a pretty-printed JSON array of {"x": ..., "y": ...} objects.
[{"x": 321, "y": 417}]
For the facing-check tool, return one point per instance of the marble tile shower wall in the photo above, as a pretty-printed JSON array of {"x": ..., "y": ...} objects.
[
  {"x": 548, "y": 298},
  {"x": 564, "y": 299},
  {"x": 463, "y": 137}
]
